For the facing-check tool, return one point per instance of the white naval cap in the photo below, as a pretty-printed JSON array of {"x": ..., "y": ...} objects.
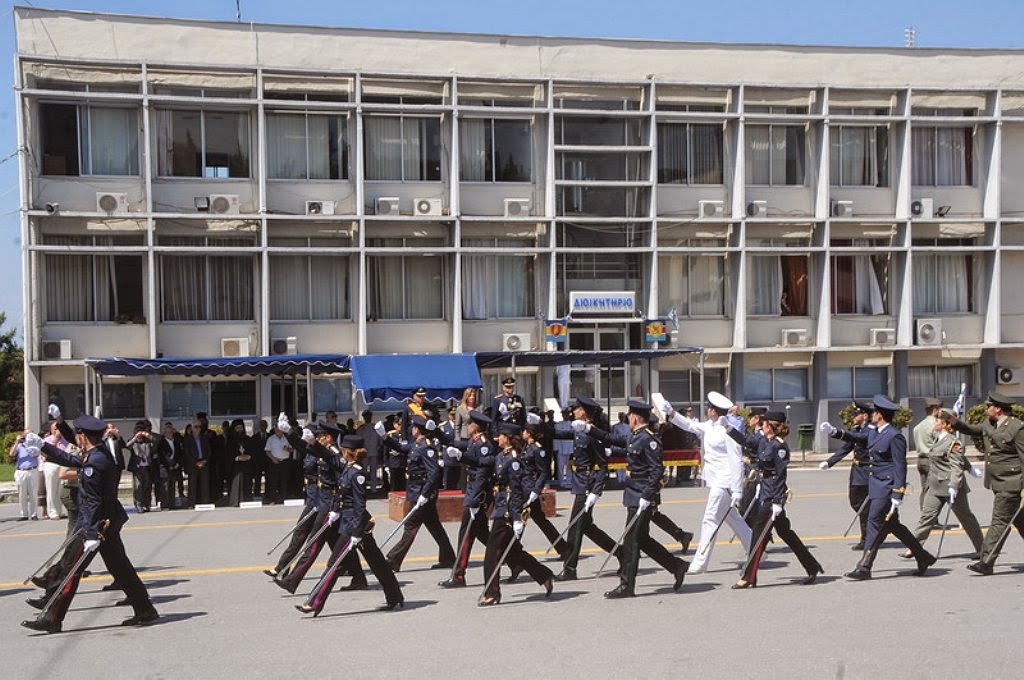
[{"x": 719, "y": 401}]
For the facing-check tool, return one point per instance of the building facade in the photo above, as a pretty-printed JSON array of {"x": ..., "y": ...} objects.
[{"x": 827, "y": 222}]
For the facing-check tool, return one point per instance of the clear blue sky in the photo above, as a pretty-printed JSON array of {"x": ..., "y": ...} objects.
[{"x": 939, "y": 23}]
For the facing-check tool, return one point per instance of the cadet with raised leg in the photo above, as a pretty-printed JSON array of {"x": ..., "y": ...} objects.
[{"x": 858, "y": 489}]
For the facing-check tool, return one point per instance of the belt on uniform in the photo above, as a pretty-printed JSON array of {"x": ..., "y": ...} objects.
[{"x": 417, "y": 478}]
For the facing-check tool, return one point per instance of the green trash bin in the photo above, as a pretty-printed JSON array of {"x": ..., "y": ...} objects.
[{"x": 805, "y": 431}]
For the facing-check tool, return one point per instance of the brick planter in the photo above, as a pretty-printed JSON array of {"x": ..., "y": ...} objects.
[{"x": 449, "y": 505}]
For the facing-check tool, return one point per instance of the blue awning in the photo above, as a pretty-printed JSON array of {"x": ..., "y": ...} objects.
[
  {"x": 596, "y": 358},
  {"x": 395, "y": 376},
  {"x": 285, "y": 364}
]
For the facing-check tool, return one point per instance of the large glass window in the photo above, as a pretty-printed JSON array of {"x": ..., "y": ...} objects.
[
  {"x": 860, "y": 283},
  {"x": 696, "y": 285},
  {"x": 942, "y": 156},
  {"x": 943, "y": 283},
  {"x": 124, "y": 400},
  {"x": 207, "y": 287},
  {"x": 497, "y": 286},
  {"x": 309, "y": 287},
  {"x": 495, "y": 150},
  {"x": 776, "y": 154},
  {"x": 939, "y": 381},
  {"x": 93, "y": 287},
  {"x": 332, "y": 394},
  {"x": 233, "y": 398},
  {"x": 859, "y": 156},
  {"x": 777, "y": 285},
  {"x": 775, "y": 384},
  {"x": 690, "y": 153},
  {"x": 683, "y": 387},
  {"x": 857, "y": 383},
  {"x": 202, "y": 143},
  {"x": 305, "y": 145},
  {"x": 402, "y": 148},
  {"x": 184, "y": 399},
  {"x": 88, "y": 140},
  {"x": 406, "y": 286},
  {"x": 69, "y": 398}
]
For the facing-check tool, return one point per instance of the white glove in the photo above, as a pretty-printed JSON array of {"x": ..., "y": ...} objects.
[
  {"x": 353, "y": 542},
  {"x": 828, "y": 428},
  {"x": 776, "y": 510},
  {"x": 421, "y": 501},
  {"x": 378, "y": 427},
  {"x": 580, "y": 426},
  {"x": 283, "y": 424},
  {"x": 977, "y": 472},
  {"x": 532, "y": 497},
  {"x": 642, "y": 505},
  {"x": 667, "y": 410},
  {"x": 722, "y": 421},
  {"x": 824, "y": 465},
  {"x": 307, "y": 435},
  {"x": 454, "y": 453},
  {"x": 737, "y": 498},
  {"x": 440, "y": 461},
  {"x": 472, "y": 513},
  {"x": 894, "y": 504},
  {"x": 590, "y": 502},
  {"x": 503, "y": 409},
  {"x": 431, "y": 426},
  {"x": 32, "y": 440},
  {"x": 33, "y": 451},
  {"x": 91, "y": 545},
  {"x": 532, "y": 419},
  {"x": 517, "y": 528},
  {"x": 952, "y": 495},
  {"x": 54, "y": 411},
  {"x": 333, "y": 517}
]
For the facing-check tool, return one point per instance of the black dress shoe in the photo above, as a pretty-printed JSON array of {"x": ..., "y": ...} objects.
[
  {"x": 39, "y": 582},
  {"x": 742, "y": 585},
  {"x": 442, "y": 565},
  {"x": 283, "y": 587},
  {"x": 859, "y": 545},
  {"x": 452, "y": 583},
  {"x": 113, "y": 585},
  {"x": 566, "y": 575},
  {"x": 488, "y": 601},
  {"x": 37, "y": 602},
  {"x": 514, "y": 576},
  {"x": 124, "y": 602},
  {"x": 86, "y": 574},
  {"x": 923, "y": 563},
  {"x": 549, "y": 585},
  {"x": 141, "y": 619},
  {"x": 272, "y": 573},
  {"x": 858, "y": 574},
  {"x": 618, "y": 593},
  {"x": 685, "y": 538},
  {"x": 980, "y": 567},
  {"x": 391, "y": 606},
  {"x": 813, "y": 576},
  {"x": 355, "y": 585},
  {"x": 680, "y": 575},
  {"x": 306, "y": 609},
  {"x": 41, "y": 625}
]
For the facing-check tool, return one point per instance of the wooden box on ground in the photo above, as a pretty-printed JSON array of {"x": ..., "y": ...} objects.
[{"x": 449, "y": 505}]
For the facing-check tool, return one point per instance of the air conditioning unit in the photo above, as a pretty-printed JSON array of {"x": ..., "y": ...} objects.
[
  {"x": 1007, "y": 376},
  {"x": 56, "y": 350},
  {"x": 710, "y": 209},
  {"x": 923, "y": 208},
  {"x": 795, "y": 337},
  {"x": 319, "y": 207},
  {"x": 882, "y": 337},
  {"x": 841, "y": 209},
  {"x": 515, "y": 342},
  {"x": 517, "y": 207},
  {"x": 928, "y": 331},
  {"x": 234, "y": 347},
  {"x": 287, "y": 345},
  {"x": 430, "y": 207},
  {"x": 388, "y": 205},
  {"x": 224, "y": 204},
  {"x": 757, "y": 209},
  {"x": 111, "y": 203}
]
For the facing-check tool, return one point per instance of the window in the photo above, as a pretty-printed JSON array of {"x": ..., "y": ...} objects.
[
  {"x": 939, "y": 381},
  {"x": 526, "y": 387},
  {"x": 775, "y": 154},
  {"x": 306, "y": 145},
  {"x": 332, "y": 394},
  {"x": 683, "y": 387},
  {"x": 598, "y": 131},
  {"x": 857, "y": 383},
  {"x": 406, "y": 286},
  {"x": 694, "y": 284},
  {"x": 497, "y": 286},
  {"x": 124, "y": 400},
  {"x": 309, "y": 287},
  {"x": 91, "y": 287},
  {"x": 777, "y": 285},
  {"x": 89, "y": 140},
  {"x": 690, "y": 153},
  {"x": 859, "y": 156},
  {"x": 181, "y": 400},
  {"x": 495, "y": 150},
  {"x": 775, "y": 384},
  {"x": 402, "y": 148},
  {"x": 860, "y": 283},
  {"x": 942, "y": 156},
  {"x": 233, "y": 398},
  {"x": 213, "y": 144},
  {"x": 70, "y": 399},
  {"x": 207, "y": 287},
  {"x": 943, "y": 283}
]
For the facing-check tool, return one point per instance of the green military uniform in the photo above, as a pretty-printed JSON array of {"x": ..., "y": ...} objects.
[
  {"x": 947, "y": 463},
  {"x": 1003, "y": 442},
  {"x": 924, "y": 439}
]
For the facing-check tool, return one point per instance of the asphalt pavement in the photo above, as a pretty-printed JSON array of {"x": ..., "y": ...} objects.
[{"x": 221, "y": 617}]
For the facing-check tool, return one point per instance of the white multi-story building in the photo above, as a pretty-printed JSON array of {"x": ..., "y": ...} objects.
[{"x": 826, "y": 222}]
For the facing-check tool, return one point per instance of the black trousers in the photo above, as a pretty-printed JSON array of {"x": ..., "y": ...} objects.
[
  {"x": 199, "y": 485},
  {"x": 469, "y": 529},
  {"x": 143, "y": 492},
  {"x": 538, "y": 517},
  {"x": 426, "y": 516},
  {"x": 374, "y": 559},
  {"x": 879, "y": 527},
  {"x": 241, "y": 484},
  {"x": 638, "y": 540},
  {"x": 278, "y": 475},
  {"x": 857, "y": 495},
  {"x": 785, "y": 531},
  {"x": 170, "y": 480},
  {"x": 665, "y": 523},
  {"x": 329, "y": 536},
  {"x": 303, "y": 528},
  {"x": 396, "y": 478},
  {"x": 584, "y": 527},
  {"x": 452, "y": 473},
  {"x": 120, "y": 567},
  {"x": 497, "y": 542}
]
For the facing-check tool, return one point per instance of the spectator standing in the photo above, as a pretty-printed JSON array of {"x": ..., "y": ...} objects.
[
  {"x": 26, "y": 476},
  {"x": 279, "y": 454}
]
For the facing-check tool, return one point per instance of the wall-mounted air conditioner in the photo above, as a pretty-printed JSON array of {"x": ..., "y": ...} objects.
[
  {"x": 289, "y": 345},
  {"x": 56, "y": 350},
  {"x": 515, "y": 342},
  {"x": 111, "y": 203},
  {"x": 387, "y": 205},
  {"x": 757, "y": 209},
  {"x": 234, "y": 347},
  {"x": 517, "y": 207},
  {"x": 841, "y": 209},
  {"x": 928, "y": 332},
  {"x": 795, "y": 337},
  {"x": 224, "y": 204},
  {"x": 923, "y": 208},
  {"x": 427, "y": 207},
  {"x": 1007, "y": 376},
  {"x": 319, "y": 207},
  {"x": 882, "y": 337},
  {"x": 710, "y": 209}
]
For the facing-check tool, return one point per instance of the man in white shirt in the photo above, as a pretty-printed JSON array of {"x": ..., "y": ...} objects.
[
  {"x": 722, "y": 473},
  {"x": 279, "y": 453}
]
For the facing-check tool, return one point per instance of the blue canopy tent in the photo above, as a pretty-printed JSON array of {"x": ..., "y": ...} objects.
[{"x": 394, "y": 376}]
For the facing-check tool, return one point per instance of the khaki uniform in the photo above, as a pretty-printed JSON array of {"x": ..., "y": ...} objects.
[
  {"x": 947, "y": 463},
  {"x": 924, "y": 438}
]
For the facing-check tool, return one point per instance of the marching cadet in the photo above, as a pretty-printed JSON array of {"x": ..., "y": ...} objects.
[
  {"x": 477, "y": 458},
  {"x": 100, "y": 519},
  {"x": 925, "y": 434},
  {"x": 537, "y": 464},
  {"x": 749, "y": 456},
  {"x": 589, "y": 472},
  {"x": 771, "y": 463},
  {"x": 424, "y": 479},
  {"x": 304, "y": 525},
  {"x": 355, "y": 530},
  {"x": 858, "y": 488},
  {"x": 887, "y": 483},
  {"x": 641, "y": 496},
  {"x": 1003, "y": 437},
  {"x": 507, "y": 407},
  {"x": 946, "y": 483},
  {"x": 509, "y": 516}
]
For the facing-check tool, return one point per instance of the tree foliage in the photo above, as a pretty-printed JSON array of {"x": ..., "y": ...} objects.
[{"x": 12, "y": 397}]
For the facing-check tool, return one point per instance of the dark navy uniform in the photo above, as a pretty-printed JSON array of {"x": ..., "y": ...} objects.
[
  {"x": 858, "y": 489},
  {"x": 477, "y": 459},
  {"x": 306, "y": 518},
  {"x": 536, "y": 462},
  {"x": 507, "y": 408}
]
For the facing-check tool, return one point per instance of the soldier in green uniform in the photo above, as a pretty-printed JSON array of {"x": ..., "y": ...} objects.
[{"x": 1003, "y": 437}]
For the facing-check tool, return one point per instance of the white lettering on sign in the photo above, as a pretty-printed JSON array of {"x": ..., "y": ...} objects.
[{"x": 623, "y": 302}]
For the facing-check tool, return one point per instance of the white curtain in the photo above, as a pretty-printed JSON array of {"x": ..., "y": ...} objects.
[
  {"x": 69, "y": 288},
  {"x": 383, "y": 138},
  {"x": 476, "y": 282},
  {"x": 413, "y": 140},
  {"x": 951, "y": 159},
  {"x": 286, "y": 146},
  {"x": 672, "y": 283},
  {"x": 707, "y": 154},
  {"x": 289, "y": 288},
  {"x": 113, "y": 142},
  {"x": 672, "y": 153},
  {"x": 424, "y": 287},
  {"x": 949, "y": 379},
  {"x": 922, "y": 155},
  {"x": 319, "y": 146},
  {"x": 764, "y": 284},
  {"x": 868, "y": 290},
  {"x": 330, "y": 282},
  {"x": 184, "y": 287},
  {"x": 386, "y": 287},
  {"x": 758, "y": 156},
  {"x": 231, "y": 288},
  {"x": 940, "y": 283},
  {"x": 515, "y": 286},
  {"x": 706, "y": 278},
  {"x": 852, "y": 161},
  {"x": 473, "y": 137},
  {"x": 164, "y": 142}
]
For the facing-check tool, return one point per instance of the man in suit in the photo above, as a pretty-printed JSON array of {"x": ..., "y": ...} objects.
[
  {"x": 199, "y": 452},
  {"x": 170, "y": 453},
  {"x": 259, "y": 457},
  {"x": 507, "y": 407},
  {"x": 371, "y": 441},
  {"x": 1003, "y": 437}
]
